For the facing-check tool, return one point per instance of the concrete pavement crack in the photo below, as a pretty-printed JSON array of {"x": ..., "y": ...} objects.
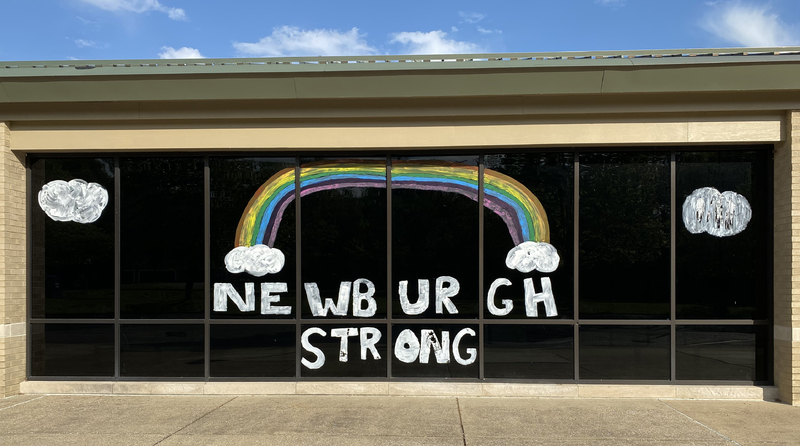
[
  {"x": 24, "y": 402},
  {"x": 701, "y": 424},
  {"x": 195, "y": 420}
]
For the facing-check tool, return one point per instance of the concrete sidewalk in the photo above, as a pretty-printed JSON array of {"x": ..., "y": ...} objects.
[{"x": 335, "y": 420}]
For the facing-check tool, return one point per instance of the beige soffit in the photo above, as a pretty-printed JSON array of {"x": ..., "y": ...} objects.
[{"x": 386, "y": 136}]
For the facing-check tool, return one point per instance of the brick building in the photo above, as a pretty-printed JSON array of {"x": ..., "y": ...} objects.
[{"x": 503, "y": 224}]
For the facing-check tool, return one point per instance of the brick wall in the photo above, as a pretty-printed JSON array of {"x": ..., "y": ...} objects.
[
  {"x": 12, "y": 267},
  {"x": 787, "y": 262}
]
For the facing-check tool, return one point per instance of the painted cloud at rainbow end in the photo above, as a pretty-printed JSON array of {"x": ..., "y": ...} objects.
[
  {"x": 75, "y": 200},
  {"x": 531, "y": 256},
  {"x": 721, "y": 214},
  {"x": 257, "y": 260}
]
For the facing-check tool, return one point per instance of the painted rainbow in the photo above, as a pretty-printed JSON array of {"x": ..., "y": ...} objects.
[{"x": 514, "y": 203}]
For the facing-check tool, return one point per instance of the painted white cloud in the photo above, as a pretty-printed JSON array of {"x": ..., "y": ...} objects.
[
  {"x": 530, "y": 256},
  {"x": 747, "y": 24},
  {"x": 75, "y": 200},
  {"x": 138, "y": 7},
  {"x": 719, "y": 214},
  {"x": 168, "y": 52},
  {"x": 434, "y": 42},
  {"x": 471, "y": 17},
  {"x": 293, "y": 41},
  {"x": 257, "y": 260}
]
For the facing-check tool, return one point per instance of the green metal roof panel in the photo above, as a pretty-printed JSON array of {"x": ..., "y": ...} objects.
[
  {"x": 396, "y": 62},
  {"x": 712, "y": 70}
]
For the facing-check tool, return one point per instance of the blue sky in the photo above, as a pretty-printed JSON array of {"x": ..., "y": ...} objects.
[{"x": 152, "y": 29}]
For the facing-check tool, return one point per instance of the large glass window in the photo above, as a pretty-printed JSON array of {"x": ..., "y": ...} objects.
[
  {"x": 624, "y": 235},
  {"x": 174, "y": 350},
  {"x": 722, "y": 352},
  {"x": 549, "y": 177},
  {"x": 252, "y": 350},
  {"x": 237, "y": 186},
  {"x": 624, "y": 352},
  {"x": 435, "y": 236},
  {"x": 161, "y": 236},
  {"x": 529, "y": 351},
  {"x": 343, "y": 230},
  {"x": 72, "y": 350},
  {"x": 723, "y": 274},
  {"x": 73, "y": 240},
  {"x": 542, "y": 265}
]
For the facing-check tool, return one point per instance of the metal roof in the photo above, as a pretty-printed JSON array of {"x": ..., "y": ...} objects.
[
  {"x": 683, "y": 71},
  {"x": 400, "y": 62}
]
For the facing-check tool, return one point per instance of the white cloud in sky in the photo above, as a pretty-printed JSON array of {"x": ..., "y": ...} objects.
[
  {"x": 293, "y": 41},
  {"x": 86, "y": 21},
  {"x": 168, "y": 52},
  {"x": 610, "y": 3},
  {"x": 471, "y": 17},
  {"x": 749, "y": 24},
  {"x": 454, "y": 29},
  {"x": 138, "y": 6},
  {"x": 434, "y": 42},
  {"x": 81, "y": 43},
  {"x": 489, "y": 31}
]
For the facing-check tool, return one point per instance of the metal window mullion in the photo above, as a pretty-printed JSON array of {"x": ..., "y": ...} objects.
[
  {"x": 575, "y": 267},
  {"x": 252, "y": 322},
  {"x": 298, "y": 257},
  {"x": 481, "y": 349},
  {"x": 388, "y": 266},
  {"x": 622, "y": 322},
  {"x": 117, "y": 269},
  {"x": 672, "y": 270},
  {"x": 207, "y": 265}
]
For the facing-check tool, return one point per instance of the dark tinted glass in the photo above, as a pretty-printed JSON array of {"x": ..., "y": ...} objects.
[
  {"x": 355, "y": 361},
  {"x": 234, "y": 183},
  {"x": 721, "y": 353},
  {"x": 253, "y": 350},
  {"x": 724, "y": 277},
  {"x": 628, "y": 352},
  {"x": 162, "y": 237},
  {"x": 161, "y": 350},
  {"x": 73, "y": 261},
  {"x": 413, "y": 345},
  {"x": 529, "y": 351},
  {"x": 344, "y": 230},
  {"x": 624, "y": 235},
  {"x": 72, "y": 350},
  {"x": 549, "y": 177},
  {"x": 435, "y": 231}
]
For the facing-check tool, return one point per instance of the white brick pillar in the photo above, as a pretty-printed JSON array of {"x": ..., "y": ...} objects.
[
  {"x": 12, "y": 266},
  {"x": 787, "y": 262}
]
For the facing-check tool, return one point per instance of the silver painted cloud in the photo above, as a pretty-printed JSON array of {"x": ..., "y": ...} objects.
[
  {"x": 257, "y": 260},
  {"x": 721, "y": 214},
  {"x": 530, "y": 256},
  {"x": 75, "y": 200}
]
